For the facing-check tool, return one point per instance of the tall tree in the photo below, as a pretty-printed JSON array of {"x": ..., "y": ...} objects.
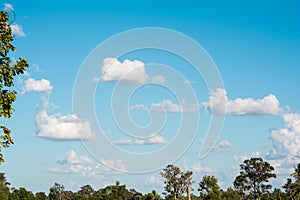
[
  {"x": 56, "y": 192},
  {"x": 4, "y": 189},
  {"x": 8, "y": 71},
  {"x": 254, "y": 177},
  {"x": 152, "y": 196},
  {"x": 86, "y": 192},
  {"x": 296, "y": 173},
  {"x": 41, "y": 196},
  {"x": 176, "y": 182},
  {"x": 209, "y": 188}
]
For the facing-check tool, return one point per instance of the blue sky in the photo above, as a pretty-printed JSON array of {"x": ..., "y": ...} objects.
[{"x": 255, "y": 48}]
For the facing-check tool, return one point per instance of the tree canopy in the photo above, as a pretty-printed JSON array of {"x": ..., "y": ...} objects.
[
  {"x": 176, "y": 181},
  {"x": 254, "y": 177},
  {"x": 8, "y": 71}
]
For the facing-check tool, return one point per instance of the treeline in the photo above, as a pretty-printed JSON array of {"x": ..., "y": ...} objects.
[{"x": 251, "y": 183}]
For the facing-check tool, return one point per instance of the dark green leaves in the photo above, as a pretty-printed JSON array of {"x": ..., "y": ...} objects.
[{"x": 8, "y": 71}]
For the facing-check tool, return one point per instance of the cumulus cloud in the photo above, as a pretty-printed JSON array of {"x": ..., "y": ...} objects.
[
  {"x": 126, "y": 71},
  {"x": 152, "y": 139},
  {"x": 72, "y": 163},
  {"x": 32, "y": 85},
  {"x": 17, "y": 30},
  {"x": 199, "y": 169},
  {"x": 219, "y": 104},
  {"x": 167, "y": 106},
  {"x": 285, "y": 152},
  {"x": 62, "y": 127}
]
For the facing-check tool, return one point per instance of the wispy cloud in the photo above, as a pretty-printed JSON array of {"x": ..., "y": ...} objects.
[
  {"x": 17, "y": 30},
  {"x": 219, "y": 104},
  {"x": 152, "y": 139},
  {"x": 222, "y": 146},
  {"x": 199, "y": 169},
  {"x": 167, "y": 106},
  {"x": 8, "y": 6}
]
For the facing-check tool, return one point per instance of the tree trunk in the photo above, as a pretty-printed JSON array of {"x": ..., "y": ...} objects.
[{"x": 188, "y": 191}]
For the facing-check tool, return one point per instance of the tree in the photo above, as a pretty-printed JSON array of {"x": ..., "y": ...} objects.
[
  {"x": 56, "y": 192},
  {"x": 4, "y": 189},
  {"x": 209, "y": 188},
  {"x": 41, "y": 196},
  {"x": 8, "y": 71},
  {"x": 86, "y": 192},
  {"x": 231, "y": 194},
  {"x": 292, "y": 189},
  {"x": 152, "y": 196},
  {"x": 296, "y": 173},
  {"x": 176, "y": 182},
  {"x": 114, "y": 192},
  {"x": 21, "y": 194},
  {"x": 254, "y": 177}
]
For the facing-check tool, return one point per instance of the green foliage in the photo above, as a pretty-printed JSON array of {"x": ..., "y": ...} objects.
[
  {"x": 56, "y": 192},
  {"x": 254, "y": 177},
  {"x": 209, "y": 188},
  {"x": 85, "y": 192},
  {"x": 21, "y": 194},
  {"x": 296, "y": 173},
  {"x": 41, "y": 196},
  {"x": 231, "y": 194},
  {"x": 4, "y": 189},
  {"x": 176, "y": 181},
  {"x": 8, "y": 71},
  {"x": 152, "y": 196}
]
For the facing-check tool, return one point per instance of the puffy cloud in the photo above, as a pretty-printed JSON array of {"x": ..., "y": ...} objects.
[
  {"x": 17, "y": 30},
  {"x": 219, "y": 104},
  {"x": 167, "y": 106},
  {"x": 86, "y": 167},
  {"x": 62, "y": 127},
  {"x": 32, "y": 85},
  {"x": 152, "y": 139},
  {"x": 199, "y": 169},
  {"x": 285, "y": 152},
  {"x": 126, "y": 71}
]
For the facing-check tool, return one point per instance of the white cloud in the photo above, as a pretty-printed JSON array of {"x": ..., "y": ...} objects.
[
  {"x": 285, "y": 152},
  {"x": 17, "y": 30},
  {"x": 199, "y": 169},
  {"x": 32, "y": 85},
  {"x": 159, "y": 79},
  {"x": 152, "y": 139},
  {"x": 222, "y": 146},
  {"x": 86, "y": 167},
  {"x": 8, "y": 6},
  {"x": 219, "y": 104},
  {"x": 62, "y": 127},
  {"x": 153, "y": 180},
  {"x": 112, "y": 164},
  {"x": 167, "y": 106},
  {"x": 126, "y": 71}
]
